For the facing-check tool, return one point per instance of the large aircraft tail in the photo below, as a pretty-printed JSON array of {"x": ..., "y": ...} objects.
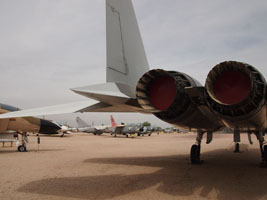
[
  {"x": 126, "y": 57},
  {"x": 81, "y": 123}
]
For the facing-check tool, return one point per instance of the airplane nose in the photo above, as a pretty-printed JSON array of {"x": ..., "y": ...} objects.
[{"x": 48, "y": 127}]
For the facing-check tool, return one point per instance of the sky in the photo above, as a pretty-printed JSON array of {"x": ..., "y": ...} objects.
[{"x": 47, "y": 47}]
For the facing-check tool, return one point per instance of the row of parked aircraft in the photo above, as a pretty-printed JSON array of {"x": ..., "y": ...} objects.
[
  {"x": 23, "y": 125},
  {"x": 115, "y": 129},
  {"x": 234, "y": 95}
]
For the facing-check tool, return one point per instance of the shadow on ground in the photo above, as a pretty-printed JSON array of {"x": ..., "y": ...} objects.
[{"x": 224, "y": 174}]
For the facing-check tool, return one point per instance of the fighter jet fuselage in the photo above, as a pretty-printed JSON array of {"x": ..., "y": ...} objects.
[{"x": 25, "y": 124}]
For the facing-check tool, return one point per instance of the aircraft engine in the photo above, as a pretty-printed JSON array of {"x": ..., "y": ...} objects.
[
  {"x": 163, "y": 94},
  {"x": 236, "y": 92}
]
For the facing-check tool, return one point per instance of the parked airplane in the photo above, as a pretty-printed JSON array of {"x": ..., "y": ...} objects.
[
  {"x": 234, "y": 95},
  {"x": 125, "y": 129},
  {"x": 130, "y": 129},
  {"x": 65, "y": 129},
  {"x": 24, "y": 125},
  {"x": 148, "y": 130},
  {"x": 96, "y": 130},
  {"x": 115, "y": 129}
]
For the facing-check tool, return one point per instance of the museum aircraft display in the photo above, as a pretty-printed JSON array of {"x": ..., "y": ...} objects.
[
  {"x": 234, "y": 94},
  {"x": 65, "y": 129},
  {"x": 126, "y": 129},
  {"x": 96, "y": 130},
  {"x": 24, "y": 125},
  {"x": 115, "y": 129}
]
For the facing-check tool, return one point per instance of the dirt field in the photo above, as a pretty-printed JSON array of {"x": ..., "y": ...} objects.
[{"x": 83, "y": 166}]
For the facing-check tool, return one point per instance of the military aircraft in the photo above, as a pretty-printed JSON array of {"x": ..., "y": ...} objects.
[
  {"x": 131, "y": 129},
  {"x": 126, "y": 129},
  {"x": 115, "y": 129},
  {"x": 148, "y": 130},
  {"x": 96, "y": 130},
  {"x": 234, "y": 94},
  {"x": 24, "y": 125},
  {"x": 64, "y": 129}
]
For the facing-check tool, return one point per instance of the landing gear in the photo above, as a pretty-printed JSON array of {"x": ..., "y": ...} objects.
[
  {"x": 264, "y": 157},
  {"x": 195, "y": 149},
  {"x": 263, "y": 148},
  {"x": 22, "y": 148},
  {"x": 195, "y": 154},
  {"x": 237, "y": 140},
  {"x": 237, "y": 148},
  {"x": 24, "y": 140}
]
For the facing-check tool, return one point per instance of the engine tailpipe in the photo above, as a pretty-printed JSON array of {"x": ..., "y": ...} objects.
[
  {"x": 159, "y": 90},
  {"x": 235, "y": 89}
]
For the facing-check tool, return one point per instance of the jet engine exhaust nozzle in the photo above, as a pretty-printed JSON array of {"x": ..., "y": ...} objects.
[
  {"x": 235, "y": 88},
  {"x": 162, "y": 93}
]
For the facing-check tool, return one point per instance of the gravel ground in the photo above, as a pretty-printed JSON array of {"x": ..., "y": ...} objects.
[{"x": 83, "y": 166}]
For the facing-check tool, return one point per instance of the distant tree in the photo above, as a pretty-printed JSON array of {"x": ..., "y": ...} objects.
[{"x": 146, "y": 123}]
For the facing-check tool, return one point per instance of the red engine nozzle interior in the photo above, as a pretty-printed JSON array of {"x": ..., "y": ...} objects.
[
  {"x": 162, "y": 92},
  {"x": 232, "y": 87}
]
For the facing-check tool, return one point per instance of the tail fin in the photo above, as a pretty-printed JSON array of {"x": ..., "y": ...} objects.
[
  {"x": 113, "y": 123},
  {"x": 126, "y": 58},
  {"x": 81, "y": 123}
]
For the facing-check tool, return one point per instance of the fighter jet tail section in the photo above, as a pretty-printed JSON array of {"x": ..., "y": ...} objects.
[{"x": 126, "y": 57}]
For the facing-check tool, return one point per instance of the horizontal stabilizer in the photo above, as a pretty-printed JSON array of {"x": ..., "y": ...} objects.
[
  {"x": 100, "y": 91},
  {"x": 102, "y": 107},
  {"x": 110, "y": 96}
]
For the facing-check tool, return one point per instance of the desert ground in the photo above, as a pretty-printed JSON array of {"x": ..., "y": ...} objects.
[{"x": 84, "y": 166}]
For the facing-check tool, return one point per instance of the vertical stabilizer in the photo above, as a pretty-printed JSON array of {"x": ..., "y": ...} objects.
[
  {"x": 126, "y": 58},
  {"x": 81, "y": 123},
  {"x": 113, "y": 123}
]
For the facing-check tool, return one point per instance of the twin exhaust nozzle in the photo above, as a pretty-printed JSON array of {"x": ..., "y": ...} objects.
[{"x": 229, "y": 84}]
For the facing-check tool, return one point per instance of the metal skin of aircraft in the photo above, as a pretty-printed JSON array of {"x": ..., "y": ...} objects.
[
  {"x": 130, "y": 129},
  {"x": 65, "y": 129},
  {"x": 96, "y": 130},
  {"x": 126, "y": 129},
  {"x": 234, "y": 94},
  {"x": 24, "y": 125}
]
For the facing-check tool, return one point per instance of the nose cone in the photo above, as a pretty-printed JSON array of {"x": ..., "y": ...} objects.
[{"x": 48, "y": 127}]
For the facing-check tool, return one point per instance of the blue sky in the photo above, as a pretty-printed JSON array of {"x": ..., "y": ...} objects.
[{"x": 47, "y": 47}]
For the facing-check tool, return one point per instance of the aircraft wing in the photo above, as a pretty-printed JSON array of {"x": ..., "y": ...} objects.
[
  {"x": 118, "y": 129},
  {"x": 50, "y": 110},
  {"x": 106, "y": 98}
]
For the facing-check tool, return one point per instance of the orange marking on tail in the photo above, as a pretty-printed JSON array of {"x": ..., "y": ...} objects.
[{"x": 113, "y": 123}]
